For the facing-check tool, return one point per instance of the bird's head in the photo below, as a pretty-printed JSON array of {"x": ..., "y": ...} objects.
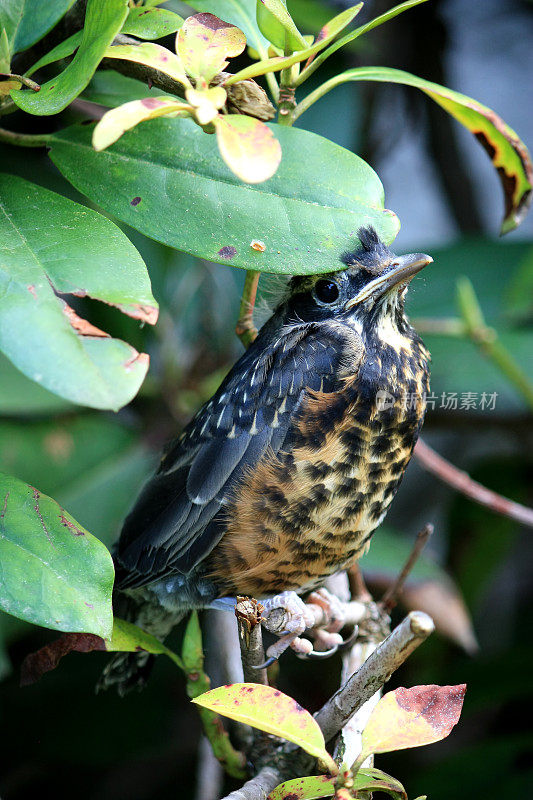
[{"x": 372, "y": 286}]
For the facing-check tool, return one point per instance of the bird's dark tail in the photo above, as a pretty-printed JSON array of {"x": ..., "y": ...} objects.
[{"x": 126, "y": 672}]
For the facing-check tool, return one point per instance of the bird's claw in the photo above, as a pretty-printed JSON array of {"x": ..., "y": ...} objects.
[{"x": 288, "y": 616}]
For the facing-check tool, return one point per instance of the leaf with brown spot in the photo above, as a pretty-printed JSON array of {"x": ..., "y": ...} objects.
[
  {"x": 508, "y": 153},
  {"x": 205, "y": 42},
  {"x": 411, "y": 718},
  {"x": 269, "y": 710},
  {"x": 53, "y": 572},
  {"x": 121, "y": 119},
  {"x": 126, "y": 638},
  {"x": 315, "y": 786},
  {"x": 248, "y": 147},
  {"x": 72, "y": 250},
  {"x": 152, "y": 55}
]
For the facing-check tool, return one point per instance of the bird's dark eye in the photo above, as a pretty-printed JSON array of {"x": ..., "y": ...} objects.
[{"x": 326, "y": 291}]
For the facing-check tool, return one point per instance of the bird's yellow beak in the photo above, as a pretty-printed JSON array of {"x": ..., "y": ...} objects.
[{"x": 403, "y": 269}]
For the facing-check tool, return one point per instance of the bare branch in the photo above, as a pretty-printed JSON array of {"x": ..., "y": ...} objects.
[
  {"x": 461, "y": 481},
  {"x": 390, "y": 598},
  {"x": 374, "y": 673},
  {"x": 258, "y": 788}
]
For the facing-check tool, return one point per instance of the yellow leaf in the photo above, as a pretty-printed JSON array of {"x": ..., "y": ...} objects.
[
  {"x": 248, "y": 147},
  {"x": 205, "y": 42},
  {"x": 121, "y": 119},
  {"x": 269, "y": 710},
  {"x": 153, "y": 55},
  {"x": 412, "y": 717}
]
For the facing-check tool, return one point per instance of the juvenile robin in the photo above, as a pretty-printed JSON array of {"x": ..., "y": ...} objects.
[{"x": 283, "y": 475}]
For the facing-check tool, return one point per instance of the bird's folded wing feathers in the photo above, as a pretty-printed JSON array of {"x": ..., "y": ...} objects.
[{"x": 252, "y": 410}]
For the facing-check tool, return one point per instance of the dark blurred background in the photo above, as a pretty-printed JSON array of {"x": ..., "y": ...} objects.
[{"x": 58, "y": 738}]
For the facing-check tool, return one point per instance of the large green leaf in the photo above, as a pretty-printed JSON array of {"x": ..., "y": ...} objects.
[
  {"x": 53, "y": 246},
  {"x": 307, "y": 215},
  {"x": 27, "y": 21},
  {"x": 507, "y": 152},
  {"x": 52, "y": 571},
  {"x": 151, "y": 23},
  {"x": 102, "y": 23}
]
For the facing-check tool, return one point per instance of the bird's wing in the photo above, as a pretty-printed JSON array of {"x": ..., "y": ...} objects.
[{"x": 172, "y": 527}]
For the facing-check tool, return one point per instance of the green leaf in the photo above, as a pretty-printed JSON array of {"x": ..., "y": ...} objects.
[
  {"x": 63, "y": 50},
  {"x": 278, "y": 26},
  {"x": 39, "y": 332},
  {"x": 129, "y": 638},
  {"x": 204, "y": 44},
  {"x": 102, "y": 23},
  {"x": 308, "y": 788},
  {"x": 507, "y": 152},
  {"x": 315, "y": 786},
  {"x": 53, "y": 572},
  {"x": 27, "y": 21},
  {"x": 151, "y": 23},
  {"x": 307, "y": 215},
  {"x": 412, "y": 717},
  {"x": 325, "y": 36},
  {"x": 269, "y": 710},
  {"x": 192, "y": 653},
  {"x": 5, "y": 54},
  {"x": 240, "y": 13}
]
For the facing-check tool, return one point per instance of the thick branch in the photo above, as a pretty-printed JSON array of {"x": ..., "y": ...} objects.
[
  {"x": 248, "y": 612},
  {"x": 378, "y": 668},
  {"x": 461, "y": 481}
]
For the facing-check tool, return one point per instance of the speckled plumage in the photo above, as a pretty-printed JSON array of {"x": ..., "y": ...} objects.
[{"x": 281, "y": 478}]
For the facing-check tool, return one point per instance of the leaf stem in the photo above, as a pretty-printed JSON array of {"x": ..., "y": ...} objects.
[
  {"x": 24, "y": 139},
  {"x": 198, "y": 682},
  {"x": 245, "y": 328},
  {"x": 487, "y": 340}
]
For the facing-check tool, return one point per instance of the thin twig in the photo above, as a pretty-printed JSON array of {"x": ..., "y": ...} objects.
[
  {"x": 357, "y": 583},
  {"x": 245, "y": 328},
  {"x": 374, "y": 673},
  {"x": 461, "y": 481},
  {"x": 390, "y": 598}
]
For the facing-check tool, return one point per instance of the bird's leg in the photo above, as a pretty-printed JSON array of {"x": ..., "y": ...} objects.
[
  {"x": 245, "y": 328},
  {"x": 288, "y": 616}
]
